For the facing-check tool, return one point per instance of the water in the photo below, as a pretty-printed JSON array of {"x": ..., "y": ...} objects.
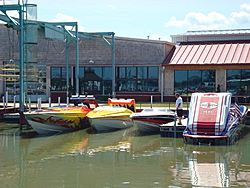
[{"x": 117, "y": 159}]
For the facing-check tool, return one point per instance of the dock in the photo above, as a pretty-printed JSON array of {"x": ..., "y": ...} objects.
[{"x": 172, "y": 129}]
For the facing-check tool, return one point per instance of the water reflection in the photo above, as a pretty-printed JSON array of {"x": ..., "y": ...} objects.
[
  {"x": 218, "y": 166},
  {"x": 120, "y": 140},
  {"x": 117, "y": 159},
  {"x": 209, "y": 168}
]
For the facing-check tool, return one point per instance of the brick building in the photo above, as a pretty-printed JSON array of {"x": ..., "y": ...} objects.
[
  {"x": 196, "y": 61},
  {"x": 137, "y": 61}
]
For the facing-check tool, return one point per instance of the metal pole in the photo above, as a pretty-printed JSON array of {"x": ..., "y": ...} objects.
[
  {"x": 49, "y": 102},
  {"x": 7, "y": 99},
  {"x": 151, "y": 101},
  {"x": 14, "y": 102},
  {"x": 21, "y": 107},
  {"x": 175, "y": 126},
  {"x": 162, "y": 84},
  {"x": 67, "y": 66},
  {"x": 67, "y": 100},
  {"x": 59, "y": 101},
  {"x": 29, "y": 104},
  {"x": 113, "y": 65},
  {"x": 3, "y": 103},
  {"x": 39, "y": 100},
  {"x": 77, "y": 62}
]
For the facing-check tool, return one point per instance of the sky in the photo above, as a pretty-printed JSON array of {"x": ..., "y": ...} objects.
[{"x": 153, "y": 19}]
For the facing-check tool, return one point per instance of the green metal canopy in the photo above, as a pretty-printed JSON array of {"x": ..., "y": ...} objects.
[{"x": 57, "y": 30}]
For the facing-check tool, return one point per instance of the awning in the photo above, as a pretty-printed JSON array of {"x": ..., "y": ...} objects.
[{"x": 209, "y": 54}]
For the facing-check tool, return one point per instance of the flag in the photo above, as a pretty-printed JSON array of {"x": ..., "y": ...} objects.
[{"x": 237, "y": 109}]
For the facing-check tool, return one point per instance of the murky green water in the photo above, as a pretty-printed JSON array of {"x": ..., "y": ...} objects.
[{"x": 117, "y": 159}]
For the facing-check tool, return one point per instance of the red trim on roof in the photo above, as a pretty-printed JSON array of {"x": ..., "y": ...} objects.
[{"x": 209, "y": 54}]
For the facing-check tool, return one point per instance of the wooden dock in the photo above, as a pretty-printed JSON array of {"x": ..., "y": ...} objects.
[{"x": 172, "y": 129}]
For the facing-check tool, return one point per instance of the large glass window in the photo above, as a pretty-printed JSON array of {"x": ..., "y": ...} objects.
[
  {"x": 55, "y": 72},
  {"x": 194, "y": 81},
  {"x": 142, "y": 72},
  {"x": 98, "y": 80},
  {"x": 137, "y": 78},
  {"x": 126, "y": 72},
  {"x": 238, "y": 82},
  {"x": 107, "y": 73},
  {"x": 190, "y": 81},
  {"x": 59, "y": 78},
  {"x": 153, "y": 72},
  {"x": 180, "y": 81}
]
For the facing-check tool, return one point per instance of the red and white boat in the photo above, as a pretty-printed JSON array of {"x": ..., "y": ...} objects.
[
  {"x": 149, "y": 120},
  {"x": 213, "y": 120}
]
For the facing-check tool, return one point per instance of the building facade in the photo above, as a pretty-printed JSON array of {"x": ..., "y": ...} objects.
[
  {"x": 196, "y": 61},
  {"x": 137, "y": 64},
  {"x": 209, "y": 61}
]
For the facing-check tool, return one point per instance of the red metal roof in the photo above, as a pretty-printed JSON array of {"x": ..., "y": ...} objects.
[{"x": 209, "y": 54}]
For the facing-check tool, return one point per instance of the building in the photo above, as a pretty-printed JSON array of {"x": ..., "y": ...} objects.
[
  {"x": 195, "y": 61},
  {"x": 137, "y": 63},
  {"x": 209, "y": 61}
]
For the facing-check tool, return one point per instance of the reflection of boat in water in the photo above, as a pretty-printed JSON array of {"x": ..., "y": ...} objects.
[
  {"x": 62, "y": 118},
  {"x": 120, "y": 140},
  {"x": 210, "y": 168},
  {"x": 213, "y": 121},
  {"x": 42, "y": 147},
  {"x": 145, "y": 145},
  {"x": 148, "y": 120},
  {"x": 113, "y": 117},
  {"x": 79, "y": 142}
]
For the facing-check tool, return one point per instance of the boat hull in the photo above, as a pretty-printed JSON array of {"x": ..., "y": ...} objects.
[
  {"x": 228, "y": 139},
  {"x": 111, "y": 123},
  {"x": 110, "y": 118},
  {"x": 149, "y": 125},
  {"x": 44, "y": 122},
  {"x": 149, "y": 120}
]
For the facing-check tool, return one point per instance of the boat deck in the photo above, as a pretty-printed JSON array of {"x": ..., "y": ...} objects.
[{"x": 172, "y": 129}]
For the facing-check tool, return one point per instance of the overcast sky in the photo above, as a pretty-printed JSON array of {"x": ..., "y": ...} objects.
[{"x": 143, "y": 18}]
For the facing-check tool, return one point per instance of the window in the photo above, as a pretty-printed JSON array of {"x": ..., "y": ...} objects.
[
  {"x": 59, "y": 78},
  {"x": 238, "y": 82},
  {"x": 98, "y": 80},
  {"x": 107, "y": 73},
  {"x": 190, "y": 81},
  {"x": 142, "y": 72},
  {"x": 153, "y": 72},
  {"x": 180, "y": 81},
  {"x": 137, "y": 79}
]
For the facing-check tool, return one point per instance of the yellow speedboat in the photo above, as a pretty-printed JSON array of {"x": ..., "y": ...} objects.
[
  {"x": 60, "y": 119},
  {"x": 113, "y": 117}
]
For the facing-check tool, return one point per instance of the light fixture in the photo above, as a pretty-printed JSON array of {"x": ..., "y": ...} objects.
[{"x": 91, "y": 61}]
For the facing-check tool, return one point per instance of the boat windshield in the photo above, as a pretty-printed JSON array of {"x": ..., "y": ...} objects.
[{"x": 157, "y": 110}]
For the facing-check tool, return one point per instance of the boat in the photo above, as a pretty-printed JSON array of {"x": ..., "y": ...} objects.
[
  {"x": 213, "y": 120},
  {"x": 113, "y": 117},
  {"x": 149, "y": 120},
  {"x": 61, "y": 118}
]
